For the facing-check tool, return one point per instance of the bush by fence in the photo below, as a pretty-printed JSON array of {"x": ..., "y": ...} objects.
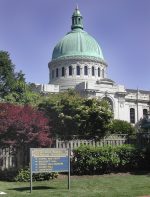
[
  {"x": 99, "y": 160},
  {"x": 23, "y": 175}
]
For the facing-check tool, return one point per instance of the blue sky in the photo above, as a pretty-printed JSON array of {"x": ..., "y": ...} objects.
[{"x": 29, "y": 30}]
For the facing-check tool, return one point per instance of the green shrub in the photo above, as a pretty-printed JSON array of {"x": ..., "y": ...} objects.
[
  {"x": 24, "y": 176},
  {"x": 98, "y": 160},
  {"x": 131, "y": 158},
  {"x": 121, "y": 127}
]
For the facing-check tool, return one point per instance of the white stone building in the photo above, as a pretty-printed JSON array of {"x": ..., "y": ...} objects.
[{"x": 78, "y": 63}]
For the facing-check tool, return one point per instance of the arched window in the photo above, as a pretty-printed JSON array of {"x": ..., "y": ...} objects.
[
  {"x": 103, "y": 73},
  {"x": 63, "y": 71},
  {"x": 56, "y": 72},
  {"x": 99, "y": 72},
  {"x": 70, "y": 70},
  {"x": 53, "y": 74},
  {"x": 145, "y": 111},
  {"x": 78, "y": 70},
  {"x": 132, "y": 115},
  {"x": 93, "y": 71},
  {"x": 85, "y": 70}
]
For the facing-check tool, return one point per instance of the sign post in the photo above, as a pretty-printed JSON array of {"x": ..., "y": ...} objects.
[
  {"x": 69, "y": 169},
  {"x": 31, "y": 170},
  {"x": 49, "y": 160}
]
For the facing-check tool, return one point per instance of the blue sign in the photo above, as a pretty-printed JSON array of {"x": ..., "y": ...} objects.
[{"x": 49, "y": 160}]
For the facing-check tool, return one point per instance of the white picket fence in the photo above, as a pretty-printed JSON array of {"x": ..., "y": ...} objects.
[
  {"x": 112, "y": 140},
  {"x": 7, "y": 158}
]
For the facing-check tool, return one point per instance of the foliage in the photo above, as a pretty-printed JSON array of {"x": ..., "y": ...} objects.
[
  {"x": 98, "y": 160},
  {"x": 121, "y": 127},
  {"x": 24, "y": 176},
  {"x": 13, "y": 87},
  {"x": 95, "y": 118},
  {"x": 24, "y": 97},
  {"x": 23, "y": 127},
  {"x": 22, "y": 93},
  {"x": 73, "y": 115},
  {"x": 7, "y": 75}
]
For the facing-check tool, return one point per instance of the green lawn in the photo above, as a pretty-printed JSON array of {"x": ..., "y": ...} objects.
[{"x": 83, "y": 186}]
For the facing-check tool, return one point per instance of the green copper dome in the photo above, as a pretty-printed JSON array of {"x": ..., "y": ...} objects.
[{"x": 77, "y": 42}]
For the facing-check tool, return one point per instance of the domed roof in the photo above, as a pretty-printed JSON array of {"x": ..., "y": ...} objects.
[{"x": 77, "y": 42}]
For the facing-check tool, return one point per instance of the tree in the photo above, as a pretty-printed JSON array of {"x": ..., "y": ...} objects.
[
  {"x": 95, "y": 116},
  {"x": 13, "y": 87},
  {"x": 121, "y": 127},
  {"x": 23, "y": 127},
  {"x": 23, "y": 97},
  {"x": 72, "y": 115},
  {"x": 7, "y": 75},
  {"x": 62, "y": 110}
]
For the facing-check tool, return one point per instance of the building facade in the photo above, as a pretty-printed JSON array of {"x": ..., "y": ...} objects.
[{"x": 77, "y": 62}]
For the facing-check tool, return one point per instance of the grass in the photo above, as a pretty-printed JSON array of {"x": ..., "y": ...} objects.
[{"x": 115, "y": 185}]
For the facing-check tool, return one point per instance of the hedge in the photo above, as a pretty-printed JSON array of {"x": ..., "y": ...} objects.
[{"x": 99, "y": 160}]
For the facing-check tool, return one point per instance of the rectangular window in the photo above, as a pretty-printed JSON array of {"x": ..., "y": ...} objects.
[
  {"x": 63, "y": 71},
  {"x": 93, "y": 71},
  {"x": 56, "y": 72},
  {"x": 52, "y": 74},
  {"x": 99, "y": 72},
  {"x": 78, "y": 70},
  {"x": 85, "y": 70},
  {"x": 145, "y": 112},
  {"x": 70, "y": 70}
]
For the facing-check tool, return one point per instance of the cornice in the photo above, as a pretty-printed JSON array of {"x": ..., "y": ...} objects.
[{"x": 79, "y": 58}]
